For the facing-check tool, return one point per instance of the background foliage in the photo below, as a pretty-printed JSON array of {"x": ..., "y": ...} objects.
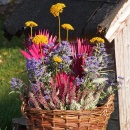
[{"x": 12, "y": 64}]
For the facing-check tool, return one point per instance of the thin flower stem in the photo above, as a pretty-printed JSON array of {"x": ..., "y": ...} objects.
[
  {"x": 56, "y": 68},
  {"x": 56, "y": 71},
  {"x": 41, "y": 54},
  {"x": 59, "y": 29},
  {"x": 31, "y": 32},
  {"x": 67, "y": 35}
]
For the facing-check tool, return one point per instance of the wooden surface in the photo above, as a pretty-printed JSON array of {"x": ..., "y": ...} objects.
[{"x": 122, "y": 50}]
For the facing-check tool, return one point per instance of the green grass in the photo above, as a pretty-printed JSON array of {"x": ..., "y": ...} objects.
[{"x": 12, "y": 64}]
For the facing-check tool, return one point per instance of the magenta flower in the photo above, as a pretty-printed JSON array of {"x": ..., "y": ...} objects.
[
  {"x": 80, "y": 48},
  {"x": 62, "y": 79},
  {"x": 33, "y": 50}
]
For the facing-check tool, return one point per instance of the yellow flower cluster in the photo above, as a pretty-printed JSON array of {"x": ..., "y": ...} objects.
[
  {"x": 97, "y": 40},
  {"x": 57, "y": 8},
  {"x": 57, "y": 59},
  {"x": 67, "y": 26},
  {"x": 39, "y": 39},
  {"x": 31, "y": 24}
]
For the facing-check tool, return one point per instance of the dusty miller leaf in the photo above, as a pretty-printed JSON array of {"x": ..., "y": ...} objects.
[
  {"x": 75, "y": 106},
  {"x": 110, "y": 90},
  {"x": 99, "y": 80},
  {"x": 100, "y": 58}
]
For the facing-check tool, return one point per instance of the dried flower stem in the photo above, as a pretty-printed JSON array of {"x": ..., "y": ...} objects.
[
  {"x": 59, "y": 29},
  {"x": 56, "y": 68},
  {"x": 31, "y": 32},
  {"x": 67, "y": 35},
  {"x": 41, "y": 54}
]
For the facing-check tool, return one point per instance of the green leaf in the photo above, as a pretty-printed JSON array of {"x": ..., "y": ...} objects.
[
  {"x": 99, "y": 80},
  {"x": 75, "y": 106},
  {"x": 110, "y": 90},
  {"x": 82, "y": 102},
  {"x": 104, "y": 73},
  {"x": 11, "y": 92}
]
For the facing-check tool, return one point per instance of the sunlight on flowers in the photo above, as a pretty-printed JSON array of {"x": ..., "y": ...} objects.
[
  {"x": 64, "y": 74},
  {"x": 97, "y": 40},
  {"x": 57, "y": 59},
  {"x": 39, "y": 39},
  {"x": 67, "y": 26},
  {"x": 57, "y": 8},
  {"x": 31, "y": 24}
]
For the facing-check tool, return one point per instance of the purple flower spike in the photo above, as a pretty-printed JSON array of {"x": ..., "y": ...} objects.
[
  {"x": 120, "y": 77},
  {"x": 15, "y": 83}
]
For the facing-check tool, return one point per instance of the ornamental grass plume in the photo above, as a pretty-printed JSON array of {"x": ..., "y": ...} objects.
[
  {"x": 80, "y": 48},
  {"x": 67, "y": 27},
  {"x": 56, "y": 10},
  {"x": 31, "y": 24}
]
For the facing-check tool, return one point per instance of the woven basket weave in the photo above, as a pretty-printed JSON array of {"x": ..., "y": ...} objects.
[{"x": 96, "y": 119}]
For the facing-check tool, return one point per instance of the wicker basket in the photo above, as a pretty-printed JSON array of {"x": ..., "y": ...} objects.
[{"x": 96, "y": 119}]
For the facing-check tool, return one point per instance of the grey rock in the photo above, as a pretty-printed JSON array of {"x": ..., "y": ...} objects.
[{"x": 4, "y": 2}]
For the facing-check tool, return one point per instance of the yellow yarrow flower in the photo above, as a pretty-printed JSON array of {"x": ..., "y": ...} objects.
[
  {"x": 57, "y": 8},
  {"x": 97, "y": 40},
  {"x": 39, "y": 39},
  {"x": 67, "y": 26},
  {"x": 31, "y": 24},
  {"x": 57, "y": 59}
]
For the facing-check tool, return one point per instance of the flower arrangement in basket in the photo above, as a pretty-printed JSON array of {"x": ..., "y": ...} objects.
[{"x": 67, "y": 80}]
